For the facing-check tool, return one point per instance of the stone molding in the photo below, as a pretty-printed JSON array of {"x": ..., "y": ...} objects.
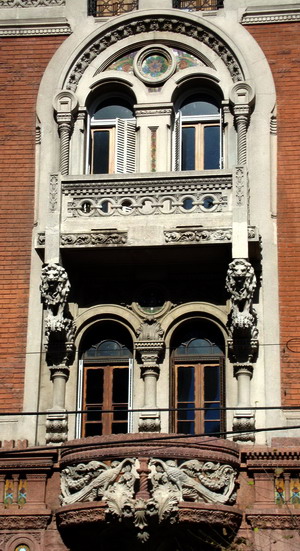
[
  {"x": 34, "y": 28},
  {"x": 93, "y": 239},
  {"x": 31, "y": 3},
  {"x": 137, "y": 25},
  {"x": 280, "y": 14}
]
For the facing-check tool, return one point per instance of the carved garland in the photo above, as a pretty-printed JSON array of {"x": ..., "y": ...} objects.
[{"x": 160, "y": 24}]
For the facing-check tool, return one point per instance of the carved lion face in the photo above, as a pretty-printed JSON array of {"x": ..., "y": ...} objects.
[{"x": 55, "y": 285}]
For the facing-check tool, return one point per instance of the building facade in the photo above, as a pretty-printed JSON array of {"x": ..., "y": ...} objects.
[{"x": 149, "y": 331}]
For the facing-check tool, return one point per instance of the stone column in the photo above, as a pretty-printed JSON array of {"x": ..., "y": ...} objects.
[
  {"x": 150, "y": 350},
  {"x": 65, "y": 105},
  {"x": 154, "y": 122}
]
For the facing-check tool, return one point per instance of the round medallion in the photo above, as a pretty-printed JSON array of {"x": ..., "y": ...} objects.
[{"x": 154, "y": 64}]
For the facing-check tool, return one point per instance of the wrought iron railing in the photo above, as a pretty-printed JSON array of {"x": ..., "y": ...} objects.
[
  {"x": 108, "y": 8},
  {"x": 195, "y": 5}
]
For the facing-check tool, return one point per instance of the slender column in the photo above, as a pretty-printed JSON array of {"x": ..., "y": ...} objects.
[
  {"x": 244, "y": 421},
  {"x": 242, "y": 97},
  {"x": 150, "y": 352},
  {"x": 65, "y": 105}
]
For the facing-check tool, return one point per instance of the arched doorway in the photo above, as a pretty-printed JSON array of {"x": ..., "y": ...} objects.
[
  {"x": 198, "y": 382},
  {"x": 105, "y": 380}
]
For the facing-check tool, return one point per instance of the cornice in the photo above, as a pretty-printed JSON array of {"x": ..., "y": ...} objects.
[
  {"x": 36, "y": 27},
  {"x": 271, "y": 14}
]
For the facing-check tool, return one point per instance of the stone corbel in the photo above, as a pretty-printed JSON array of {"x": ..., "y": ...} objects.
[
  {"x": 150, "y": 350},
  {"x": 243, "y": 341},
  {"x": 242, "y": 98},
  {"x": 59, "y": 344},
  {"x": 65, "y": 106}
]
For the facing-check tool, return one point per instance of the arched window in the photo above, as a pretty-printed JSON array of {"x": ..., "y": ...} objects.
[
  {"x": 198, "y": 378},
  {"x": 197, "y": 134},
  {"x": 105, "y": 378},
  {"x": 112, "y": 136}
]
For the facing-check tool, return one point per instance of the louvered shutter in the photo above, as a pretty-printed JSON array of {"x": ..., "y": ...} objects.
[
  {"x": 176, "y": 153},
  {"x": 125, "y": 146}
]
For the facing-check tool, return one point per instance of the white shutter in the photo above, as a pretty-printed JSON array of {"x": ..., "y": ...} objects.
[
  {"x": 130, "y": 395},
  {"x": 176, "y": 153},
  {"x": 79, "y": 400},
  {"x": 125, "y": 146}
]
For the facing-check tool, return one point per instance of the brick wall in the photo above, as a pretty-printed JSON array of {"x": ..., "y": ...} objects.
[
  {"x": 22, "y": 63},
  {"x": 281, "y": 46}
]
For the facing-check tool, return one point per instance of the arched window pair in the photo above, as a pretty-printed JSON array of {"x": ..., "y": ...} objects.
[
  {"x": 197, "y": 137},
  {"x": 196, "y": 373}
]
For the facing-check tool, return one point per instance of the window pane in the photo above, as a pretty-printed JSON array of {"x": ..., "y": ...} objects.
[
  {"x": 101, "y": 152},
  {"x": 94, "y": 386},
  {"x": 212, "y": 426},
  {"x": 211, "y": 147},
  {"x": 197, "y": 106},
  {"x": 120, "y": 385},
  {"x": 186, "y": 427},
  {"x": 113, "y": 108},
  {"x": 93, "y": 429},
  {"x": 212, "y": 411},
  {"x": 188, "y": 148},
  {"x": 93, "y": 413},
  {"x": 211, "y": 383},
  {"x": 185, "y": 391},
  {"x": 186, "y": 412},
  {"x": 119, "y": 428}
]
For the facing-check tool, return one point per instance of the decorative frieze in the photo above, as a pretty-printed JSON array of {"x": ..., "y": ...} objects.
[
  {"x": 178, "y": 25},
  {"x": 93, "y": 239},
  {"x": 205, "y": 235}
]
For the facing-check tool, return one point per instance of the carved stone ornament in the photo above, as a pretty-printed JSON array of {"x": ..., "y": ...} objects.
[
  {"x": 150, "y": 330},
  {"x": 168, "y": 485},
  {"x": 241, "y": 284},
  {"x": 59, "y": 324},
  {"x": 93, "y": 239},
  {"x": 136, "y": 25},
  {"x": 56, "y": 427}
]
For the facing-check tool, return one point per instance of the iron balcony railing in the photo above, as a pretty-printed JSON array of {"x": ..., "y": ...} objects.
[
  {"x": 197, "y": 5},
  {"x": 109, "y": 8}
]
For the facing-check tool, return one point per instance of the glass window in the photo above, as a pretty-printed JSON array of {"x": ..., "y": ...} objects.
[
  {"x": 198, "y": 379},
  {"x": 112, "y": 137},
  {"x": 106, "y": 380},
  {"x": 197, "y": 134}
]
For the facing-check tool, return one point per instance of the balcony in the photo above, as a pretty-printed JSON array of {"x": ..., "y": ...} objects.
[
  {"x": 108, "y": 8},
  {"x": 198, "y": 5},
  {"x": 125, "y": 204},
  {"x": 147, "y": 487}
]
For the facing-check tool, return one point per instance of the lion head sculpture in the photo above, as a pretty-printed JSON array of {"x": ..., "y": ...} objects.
[
  {"x": 240, "y": 280},
  {"x": 55, "y": 286}
]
